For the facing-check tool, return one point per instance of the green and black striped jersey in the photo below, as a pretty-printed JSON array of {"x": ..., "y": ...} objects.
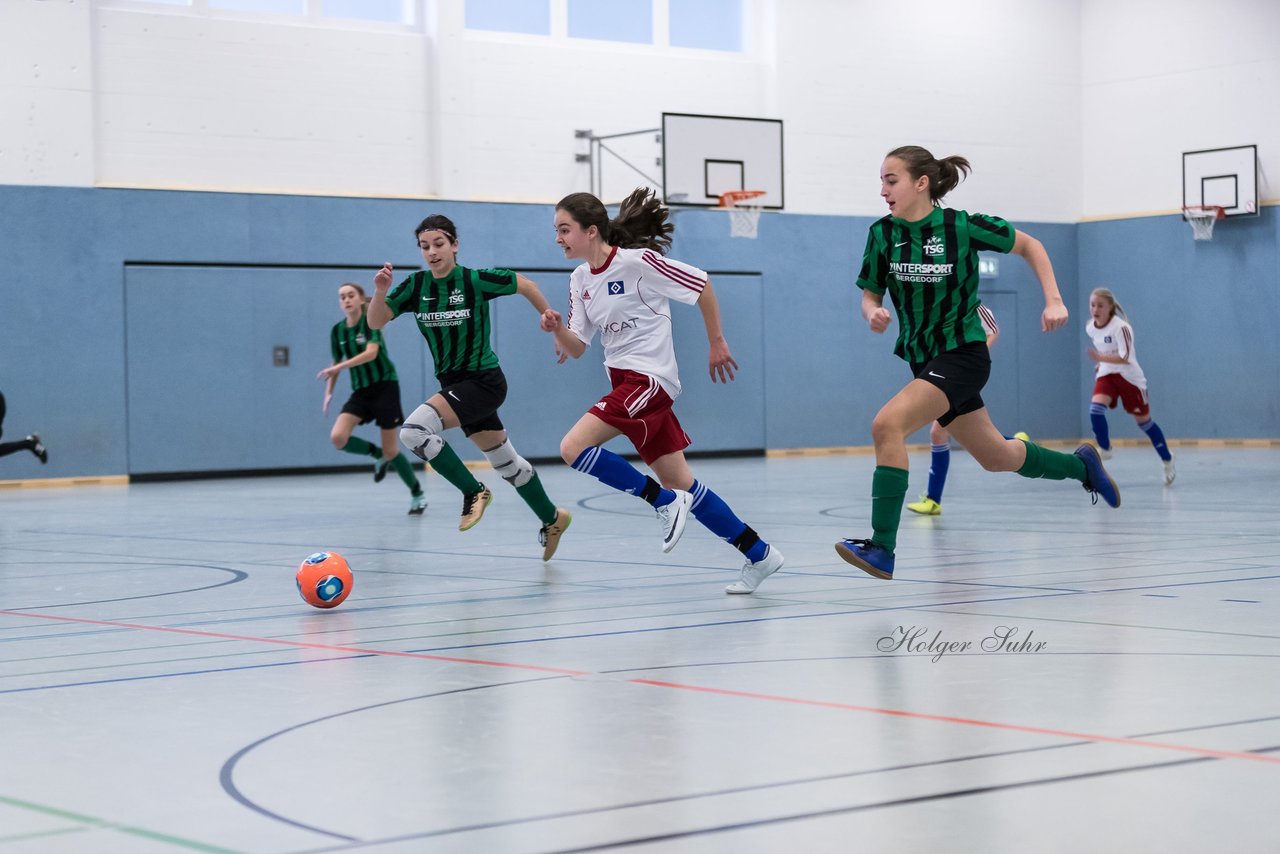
[
  {"x": 930, "y": 269},
  {"x": 348, "y": 341},
  {"x": 453, "y": 314}
]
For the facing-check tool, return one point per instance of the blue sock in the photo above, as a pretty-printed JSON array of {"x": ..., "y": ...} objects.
[
  {"x": 1156, "y": 435},
  {"x": 710, "y": 509},
  {"x": 1098, "y": 415},
  {"x": 612, "y": 470},
  {"x": 939, "y": 462}
]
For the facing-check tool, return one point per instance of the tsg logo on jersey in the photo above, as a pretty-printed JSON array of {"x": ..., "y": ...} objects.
[
  {"x": 933, "y": 247},
  {"x": 616, "y": 288},
  {"x": 457, "y": 298}
]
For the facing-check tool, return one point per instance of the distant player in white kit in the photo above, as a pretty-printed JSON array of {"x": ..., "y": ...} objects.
[
  {"x": 623, "y": 291},
  {"x": 1120, "y": 377}
]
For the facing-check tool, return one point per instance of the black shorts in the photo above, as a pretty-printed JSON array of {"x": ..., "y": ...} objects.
[
  {"x": 960, "y": 374},
  {"x": 475, "y": 397},
  {"x": 378, "y": 402}
]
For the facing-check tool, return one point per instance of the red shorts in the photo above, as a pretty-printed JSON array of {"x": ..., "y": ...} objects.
[
  {"x": 1120, "y": 389},
  {"x": 641, "y": 410}
]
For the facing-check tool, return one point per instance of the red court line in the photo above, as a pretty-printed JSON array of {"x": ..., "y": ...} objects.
[
  {"x": 924, "y": 716},
  {"x": 301, "y": 644},
  {"x": 726, "y": 692}
]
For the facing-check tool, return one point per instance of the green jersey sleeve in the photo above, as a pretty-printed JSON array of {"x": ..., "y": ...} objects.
[
  {"x": 399, "y": 298},
  {"x": 990, "y": 233},
  {"x": 495, "y": 283},
  {"x": 872, "y": 276}
]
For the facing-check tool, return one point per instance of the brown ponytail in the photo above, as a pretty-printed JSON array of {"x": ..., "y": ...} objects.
[
  {"x": 943, "y": 174},
  {"x": 641, "y": 222}
]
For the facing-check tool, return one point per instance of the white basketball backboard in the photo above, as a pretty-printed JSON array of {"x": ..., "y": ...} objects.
[
  {"x": 704, "y": 156},
  {"x": 1226, "y": 177}
]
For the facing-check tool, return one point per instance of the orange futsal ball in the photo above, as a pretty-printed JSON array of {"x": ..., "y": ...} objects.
[{"x": 324, "y": 580}]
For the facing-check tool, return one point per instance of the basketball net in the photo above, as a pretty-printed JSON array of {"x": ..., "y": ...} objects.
[
  {"x": 744, "y": 219},
  {"x": 1202, "y": 219}
]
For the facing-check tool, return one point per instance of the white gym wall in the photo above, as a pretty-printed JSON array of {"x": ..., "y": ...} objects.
[{"x": 1068, "y": 110}]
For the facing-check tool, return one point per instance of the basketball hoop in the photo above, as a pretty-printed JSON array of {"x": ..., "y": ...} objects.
[
  {"x": 1202, "y": 219},
  {"x": 744, "y": 219}
]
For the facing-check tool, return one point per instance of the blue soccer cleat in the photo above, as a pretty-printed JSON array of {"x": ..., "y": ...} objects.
[
  {"x": 1096, "y": 480},
  {"x": 867, "y": 556}
]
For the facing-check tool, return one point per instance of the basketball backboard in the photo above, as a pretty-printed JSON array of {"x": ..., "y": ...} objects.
[
  {"x": 1226, "y": 177},
  {"x": 704, "y": 156}
]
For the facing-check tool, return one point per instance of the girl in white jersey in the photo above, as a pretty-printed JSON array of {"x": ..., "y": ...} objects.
[
  {"x": 1119, "y": 377},
  {"x": 623, "y": 291}
]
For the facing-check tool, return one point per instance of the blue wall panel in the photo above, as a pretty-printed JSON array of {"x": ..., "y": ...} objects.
[{"x": 74, "y": 262}]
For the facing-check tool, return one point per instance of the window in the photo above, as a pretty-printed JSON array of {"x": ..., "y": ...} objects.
[
  {"x": 707, "y": 24},
  {"x": 509, "y": 16},
  {"x": 698, "y": 24},
  {"x": 612, "y": 20}
]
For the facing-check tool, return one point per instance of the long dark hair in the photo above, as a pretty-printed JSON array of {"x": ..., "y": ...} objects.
[
  {"x": 641, "y": 222},
  {"x": 943, "y": 174}
]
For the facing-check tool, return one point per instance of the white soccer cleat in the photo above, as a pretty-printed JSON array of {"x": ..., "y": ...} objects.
[
  {"x": 754, "y": 573},
  {"x": 1104, "y": 453},
  {"x": 1169, "y": 472},
  {"x": 673, "y": 516}
]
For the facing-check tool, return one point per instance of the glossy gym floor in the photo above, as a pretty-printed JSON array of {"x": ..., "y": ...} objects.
[{"x": 1043, "y": 675}]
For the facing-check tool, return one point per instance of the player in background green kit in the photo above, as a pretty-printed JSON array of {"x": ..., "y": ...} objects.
[
  {"x": 375, "y": 393},
  {"x": 926, "y": 257},
  {"x": 451, "y": 305}
]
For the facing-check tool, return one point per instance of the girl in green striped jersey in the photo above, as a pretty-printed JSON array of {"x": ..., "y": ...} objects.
[
  {"x": 451, "y": 305},
  {"x": 375, "y": 393},
  {"x": 926, "y": 258}
]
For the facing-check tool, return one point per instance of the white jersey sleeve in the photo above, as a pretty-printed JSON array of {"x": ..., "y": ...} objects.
[
  {"x": 673, "y": 279},
  {"x": 988, "y": 318},
  {"x": 577, "y": 322}
]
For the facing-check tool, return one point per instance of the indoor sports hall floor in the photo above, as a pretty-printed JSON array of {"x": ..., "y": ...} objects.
[{"x": 163, "y": 688}]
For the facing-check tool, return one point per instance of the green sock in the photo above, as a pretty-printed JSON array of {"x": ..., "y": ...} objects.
[
  {"x": 888, "y": 490},
  {"x": 356, "y": 445},
  {"x": 452, "y": 469},
  {"x": 1051, "y": 465},
  {"x": 405, "y": 470},
  {"x": 536, "y": 497}
]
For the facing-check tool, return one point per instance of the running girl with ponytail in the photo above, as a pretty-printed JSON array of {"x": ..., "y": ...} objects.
[
  {"x": 375, "y": 393},
  {"x": 926, "y": 257},
  {"x": 1120, "y": 377},
  {"x": 622, "y": 290}
]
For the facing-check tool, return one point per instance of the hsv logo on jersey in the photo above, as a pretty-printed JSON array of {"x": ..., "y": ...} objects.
[
  {"x": 616, "y": 288},
  {"x": 1106, "y": 339}
]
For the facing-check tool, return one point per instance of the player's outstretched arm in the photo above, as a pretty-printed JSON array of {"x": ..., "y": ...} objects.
[
  {"x": 378, "y": 313},
  {"x": 1033, "y": 252},
  {"x": 720, "y": 360},
  {"x": 528, "y": 289}
]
